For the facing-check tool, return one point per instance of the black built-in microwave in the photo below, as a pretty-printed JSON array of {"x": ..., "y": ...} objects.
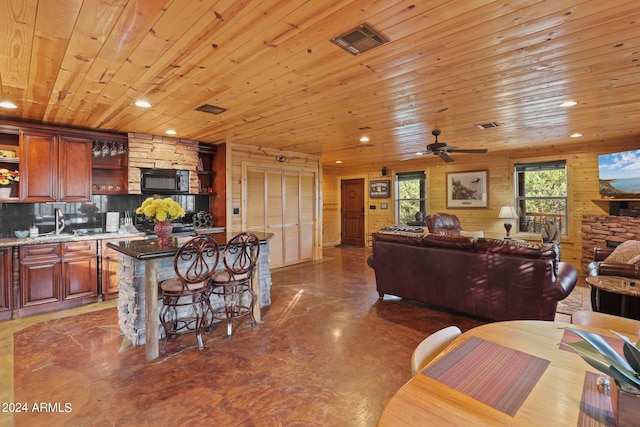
[{"x": 164, "y": 181}]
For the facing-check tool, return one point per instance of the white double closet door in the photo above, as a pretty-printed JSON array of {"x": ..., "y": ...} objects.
[{"x": 283, "y": 203}]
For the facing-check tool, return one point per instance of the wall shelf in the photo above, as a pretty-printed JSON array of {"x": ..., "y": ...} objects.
[
  {"x": 619, "y": 207},
  {"x": 206, "y": 174},
  {"x": 110, "y": 172}
]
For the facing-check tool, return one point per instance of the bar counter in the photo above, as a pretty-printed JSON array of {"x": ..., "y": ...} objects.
[{"x": 143, "y": 264}]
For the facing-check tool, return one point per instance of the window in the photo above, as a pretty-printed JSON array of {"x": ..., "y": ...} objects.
[
  {"x": 541, "y": 195},
  {"x": 412, "y": 196}
]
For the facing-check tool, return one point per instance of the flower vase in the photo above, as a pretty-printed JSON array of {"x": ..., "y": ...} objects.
[
  {"x": 5, "y": 192},
  {"x": 163, "y": 230}
]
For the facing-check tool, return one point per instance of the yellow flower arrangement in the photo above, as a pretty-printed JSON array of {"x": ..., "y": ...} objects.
[
  {"x": 161, "y": 209},
  {"x": 8, "y": 177}
]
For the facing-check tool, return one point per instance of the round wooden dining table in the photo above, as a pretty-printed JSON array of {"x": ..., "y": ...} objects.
[{"x": 552, "y": 396}]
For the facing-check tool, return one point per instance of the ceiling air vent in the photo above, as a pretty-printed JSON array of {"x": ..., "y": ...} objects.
[
  {"x": 487, "y": 125},
  {"x": 211, "y": 109},
  {"x": 360, "y": 39}
]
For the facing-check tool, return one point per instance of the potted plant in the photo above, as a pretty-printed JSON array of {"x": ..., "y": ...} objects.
[
  {"x": 161, "y": 212},
  {"x": 7, "y": 178},
  {"x": 625, "y": 371}
]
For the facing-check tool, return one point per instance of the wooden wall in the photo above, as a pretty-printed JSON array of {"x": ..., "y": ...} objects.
[
  {"x": 331, "y": 206},
  {"x": 582, "y": 163}
]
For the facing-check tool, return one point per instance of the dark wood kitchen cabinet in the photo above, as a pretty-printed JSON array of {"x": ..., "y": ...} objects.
[
  {"x": 6, "y": 304},
  {"x": 55, "y": 276},
  {"x": 55, "y": 167},
  {"x": 40, "y": 272},
  {"x": 9, "y": 159},
  {"x": 79, "y": 270},
  {"x": 212, "y": 165}
]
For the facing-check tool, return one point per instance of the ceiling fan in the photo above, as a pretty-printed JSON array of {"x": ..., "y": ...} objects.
[{"x": 442, "y": 150}]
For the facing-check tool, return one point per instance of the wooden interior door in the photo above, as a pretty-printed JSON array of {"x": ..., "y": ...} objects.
[
  {"x": 307, "y": 214},
  {"x": 352, "y": 212},
  {"x": 291, "y": 225},
  {"x": 273, "y": 211},
  {"x": 282, "y": 202}
]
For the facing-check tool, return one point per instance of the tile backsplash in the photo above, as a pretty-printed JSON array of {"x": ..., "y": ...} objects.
[{"x": 88, "y": 215}]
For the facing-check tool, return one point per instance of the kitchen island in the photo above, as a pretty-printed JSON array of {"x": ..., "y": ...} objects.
[{"x": 143, "y": 264}]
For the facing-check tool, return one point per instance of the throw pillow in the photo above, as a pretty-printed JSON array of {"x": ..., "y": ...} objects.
[
  {"x": 624, "y": 252},
  {"x": 634, "y": 260}
]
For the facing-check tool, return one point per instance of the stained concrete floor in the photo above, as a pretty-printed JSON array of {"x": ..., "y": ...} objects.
[{"x": 328, "y": 352}]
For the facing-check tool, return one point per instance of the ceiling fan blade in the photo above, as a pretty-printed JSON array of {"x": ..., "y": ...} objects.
[
  {"x": 444, "y": 156},
  {"x": 473, "y": 150}
]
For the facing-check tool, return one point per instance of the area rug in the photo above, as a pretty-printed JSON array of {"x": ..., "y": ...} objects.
[{"x": 578, "y": 299}]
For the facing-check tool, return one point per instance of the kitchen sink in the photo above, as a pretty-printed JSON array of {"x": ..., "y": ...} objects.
[{"x": 52, "y": 236}]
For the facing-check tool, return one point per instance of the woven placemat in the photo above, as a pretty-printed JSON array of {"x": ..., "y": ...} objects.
[
  {"x": 569, "y": 337},
  {"x": 498, "y": 376},
  {"x": 595, "y": 406}
]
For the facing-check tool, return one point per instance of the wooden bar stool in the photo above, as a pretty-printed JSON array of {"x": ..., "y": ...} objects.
[
  {"x": 233, "y": 285},
  {"x": 185, "y": 297}
]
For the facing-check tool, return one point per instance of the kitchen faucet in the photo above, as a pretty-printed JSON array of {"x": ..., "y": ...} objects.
[{"x": 59, "y": 220}]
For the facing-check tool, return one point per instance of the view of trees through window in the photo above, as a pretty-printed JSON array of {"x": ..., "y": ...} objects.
[
  {"x": 541, "y": 196},
  {"x": 412, "y": 192}
]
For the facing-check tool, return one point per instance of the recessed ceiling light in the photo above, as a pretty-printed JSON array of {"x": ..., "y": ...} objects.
[
  {"x": 364, "y": 139},
  {"x": 8, "y": 104},
  {"x": 568, "y": 104},
  {"x": 170, "y": 132},
  {"x": 143, "y": 104},
  {"x": 419, "y": 153},
  {"x": 576, "y": 135},
  {"x": 338, "y": 161}
]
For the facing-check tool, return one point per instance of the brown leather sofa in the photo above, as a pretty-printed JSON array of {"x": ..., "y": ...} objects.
[{"x": 487, "y": 278}]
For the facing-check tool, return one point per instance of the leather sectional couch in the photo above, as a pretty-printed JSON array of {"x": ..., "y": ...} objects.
[{"x": 487, "y": 278}]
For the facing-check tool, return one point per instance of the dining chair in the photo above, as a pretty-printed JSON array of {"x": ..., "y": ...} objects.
[
  {"x": 233, "y": 285},
  {"x": 185, "y": 297},
  {"x": 431, "y": 346},
  {"x": 607, "y": 321}
]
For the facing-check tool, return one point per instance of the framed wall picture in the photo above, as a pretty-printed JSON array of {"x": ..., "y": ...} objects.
[
  {"x": 467, "y": 189},
  {"x": 380, "y": 188}
]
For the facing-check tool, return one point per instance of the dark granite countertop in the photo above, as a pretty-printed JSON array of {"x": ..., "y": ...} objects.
[
  {"x": 149, "y": 248},
  {"x": 66, "y": 237}
]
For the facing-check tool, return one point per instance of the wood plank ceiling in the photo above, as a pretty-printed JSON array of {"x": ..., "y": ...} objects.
[{"x": 450, "y": 64}]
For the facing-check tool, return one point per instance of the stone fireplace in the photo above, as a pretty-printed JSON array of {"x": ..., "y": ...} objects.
[{"x": 603, "y": 231}]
